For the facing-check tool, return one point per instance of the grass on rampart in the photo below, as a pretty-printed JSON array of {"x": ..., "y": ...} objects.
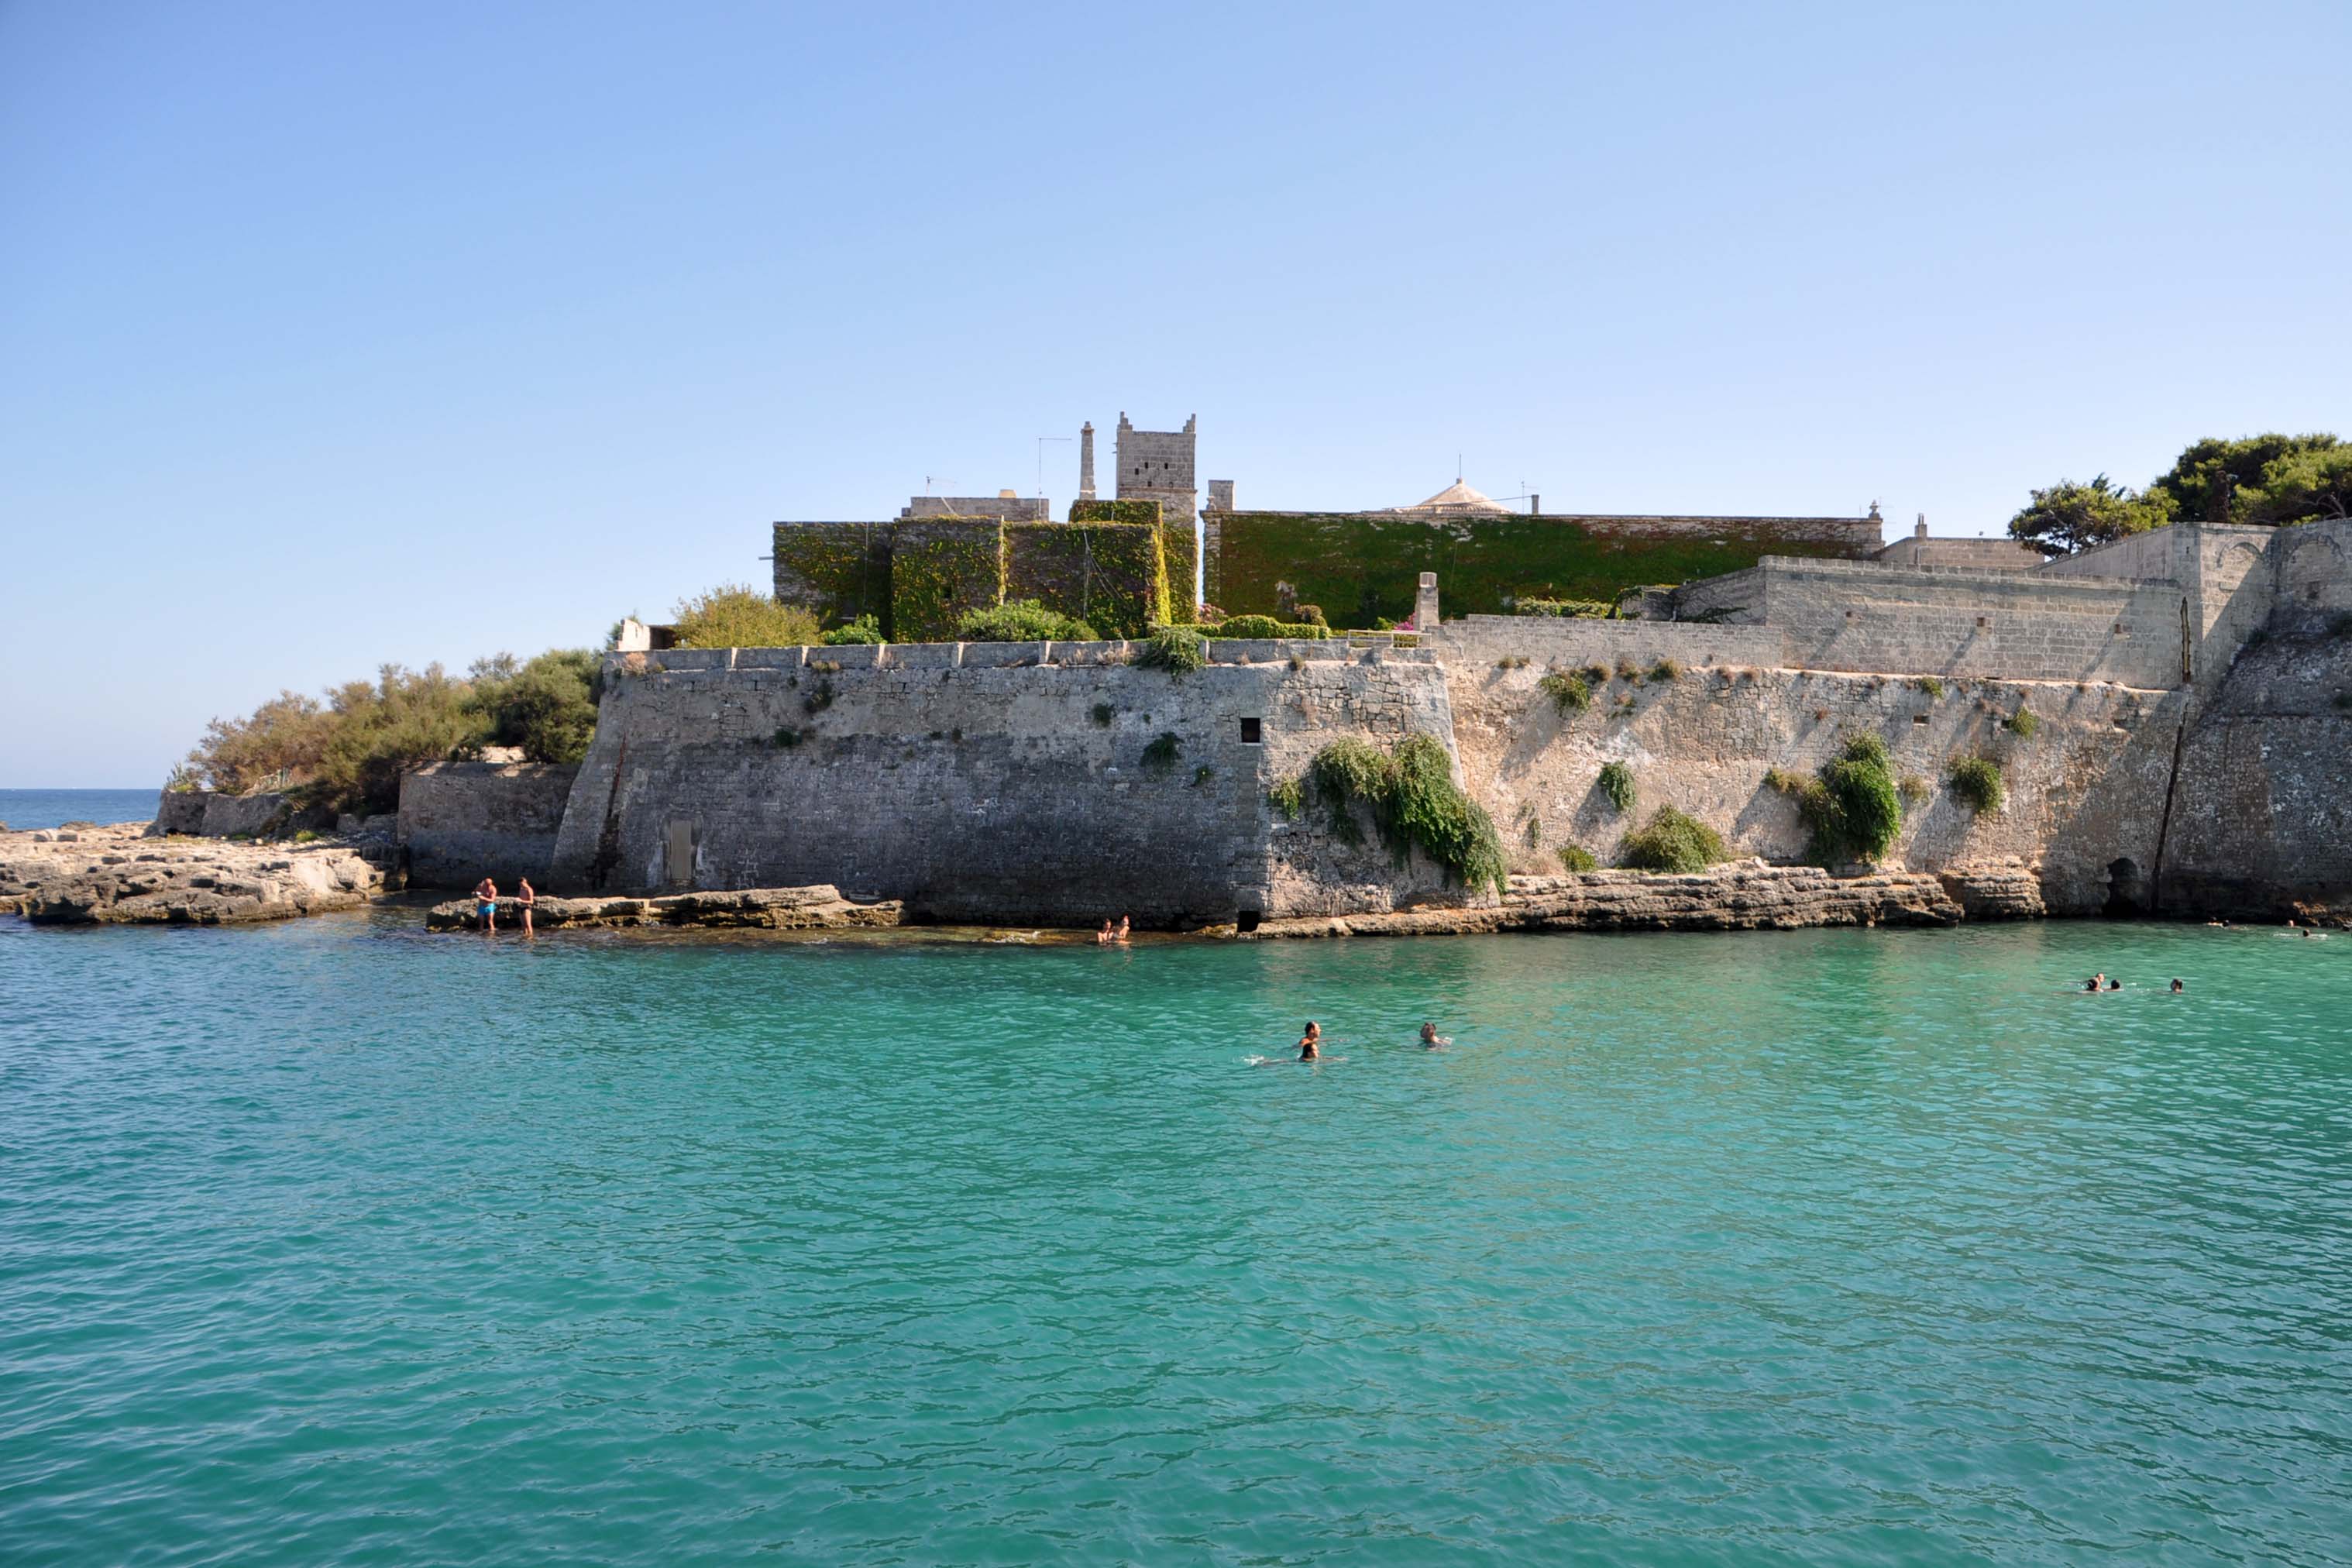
[{"x": 1977, "y": 781}]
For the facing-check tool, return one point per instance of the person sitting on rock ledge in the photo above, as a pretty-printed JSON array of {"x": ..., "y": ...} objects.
[
  {"x": 486, "y": 904},
  {"x": 1106, "y": 936}
]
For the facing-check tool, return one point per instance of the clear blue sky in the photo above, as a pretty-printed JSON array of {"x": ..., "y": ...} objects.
[{"x": 334, "y": 335}]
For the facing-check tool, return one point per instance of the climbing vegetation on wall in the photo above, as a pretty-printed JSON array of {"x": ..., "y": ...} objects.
[
  {"x": 1854, "y": 808},
  {"x": 838, "y": 571},
  {"x": 1414, "y": 803},
  {"x": 1362, "y": 568}
]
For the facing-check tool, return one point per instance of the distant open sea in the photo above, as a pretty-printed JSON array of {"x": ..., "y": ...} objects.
[
  {"x": 23, "y": 809},
  {"x": 337, "y": 1242}
]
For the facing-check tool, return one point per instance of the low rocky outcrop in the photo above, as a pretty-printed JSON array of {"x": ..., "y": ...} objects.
[
  {"x": 119, "y": 875},
  {"x": 818, "y": 908},
  {"x": 1995, "y": 891},
  {"x": 1747, "y": 895}
]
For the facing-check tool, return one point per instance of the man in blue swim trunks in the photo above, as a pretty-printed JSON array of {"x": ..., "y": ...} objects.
[{"x": 486, "y": 904}]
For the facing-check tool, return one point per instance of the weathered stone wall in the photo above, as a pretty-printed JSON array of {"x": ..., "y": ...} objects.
[
  {"x": 1868, "y": 617},
  {"x": 2313, "y": 579},
  {"x": 1971, "y": 554},
  {"x": 1477, "y": 641},
  {"x": 1011, "y": 508},
  {"x": 214, "y": 814},
  {"x": 2085, "y": 790},
  {"x": 989, "y": 782},
  {"x": 2261, "y": 818},
  {"x": 460, "y": 822}
]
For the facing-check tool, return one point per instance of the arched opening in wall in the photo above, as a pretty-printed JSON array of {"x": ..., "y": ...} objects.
[{"x": 2126, "y": 890}]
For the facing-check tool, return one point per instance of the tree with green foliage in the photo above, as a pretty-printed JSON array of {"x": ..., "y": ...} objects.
[
  {"x": 2250, "y": 480},
  {"x": 865, "y": 629},
  {"x": 736, "y": 614},
  {"x": 546, "y": 707},
  {"x": 2068, "y": 517}
]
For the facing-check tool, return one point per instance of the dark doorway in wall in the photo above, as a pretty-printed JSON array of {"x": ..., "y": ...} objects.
[
  {"x": 1246, "y": 920},
  {"x": 1253, "y": 732},
  {"x": 2126, "y": 890}
]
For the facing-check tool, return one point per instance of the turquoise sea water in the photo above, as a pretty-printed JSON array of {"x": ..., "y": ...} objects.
[{"x": 336, "y": 1243}]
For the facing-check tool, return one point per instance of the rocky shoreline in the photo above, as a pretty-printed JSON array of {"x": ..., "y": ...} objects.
[
  {"x": 818, "y": 908},
  {"x": 1746, "y": 894},
  {"x": 127, "y": 874},
  {"x": 131, "y": 874}
]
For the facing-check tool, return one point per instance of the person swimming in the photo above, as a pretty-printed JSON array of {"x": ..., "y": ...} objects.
[
  {"x": 1310, "y": 1043},
  {"x": 1103, "y": 937},
  {"x": 2114, "y": 985},
  {"x": 1430, "y": 1040},
  {"x": 2176, "y": 987},
  {"x": 2093, "y": 982}
]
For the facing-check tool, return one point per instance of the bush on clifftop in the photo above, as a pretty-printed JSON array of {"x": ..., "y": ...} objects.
[
  {"x": 1178, "y": 650},
  {"x": 347, "y": 753},
  {"x": 1022, "y": 620},
  {"x": 736, "y": 614},
  {"x": 865, "y": 629}
]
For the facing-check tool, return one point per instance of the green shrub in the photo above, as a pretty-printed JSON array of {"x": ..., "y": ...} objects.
[
  {"x": 1567, "y": 609},
  {"x": 1626, "y": 670},
  {"x": 1577, "y": 857},
  {"x": 1178, "y": 650},
  {"x": 1288, "y": 797},
  {"x": 1312, "y": 615},
  {"x": 1596, "y": 674},
  {"x": 1021, "y": 620},
  {"x": 1103, "y": 714},
  {"x": 819, "y": 699},
  {"x": 864, "y": 629},
  {"x": 1854, "y": 808},
  {"x": 1251, "y": 626},
  {"x": 2023, "y": 723},
  {"x": 1930, "y": 685},
  {"x": 736, "y": 614},
  {"x": 1977, "y": 780},
  {"x": 307, "y": 836},
  {"x": 1913, "y": 789},
  {"x": 1414, "y": 803},
  {"x": 1785, "y": 781},
  {"x": 1665, "y": 669},
  {"x": 786, "y": 736},
  {"x": 1616, "y": 781},
  {"x": 1162, "y": 751},
  {"x": 1203, "y": 774},
  {"x": 1568, "y": 692},
  {"x": 1671, "y": 841}
]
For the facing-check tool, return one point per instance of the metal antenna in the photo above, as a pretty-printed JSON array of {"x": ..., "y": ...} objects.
[{"x": 1041, "y": 459}]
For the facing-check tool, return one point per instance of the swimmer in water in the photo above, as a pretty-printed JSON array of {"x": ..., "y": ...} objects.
[
  {"x": 1122, "y": 935},
  {"x": 2176, "y": 987},
  {"x": 1430, "y": 1040},
  {"x": 2114, "y": 985},
  {"x": 2092, "y": 983},
  {"x": 1102, "y": 937},
  {"x": 1310, "y": 1043}
]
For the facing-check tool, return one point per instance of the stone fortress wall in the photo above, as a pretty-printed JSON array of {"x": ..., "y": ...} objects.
[{"x": 2173, "y": 765}]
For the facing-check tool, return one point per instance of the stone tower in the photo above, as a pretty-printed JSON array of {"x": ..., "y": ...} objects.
[
  {"x": 1157, "y": 465},
  {"x": 1087, "y": 461}
]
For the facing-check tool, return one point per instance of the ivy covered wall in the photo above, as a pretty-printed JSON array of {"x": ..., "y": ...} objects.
[
  {"x": 840, "y": 570},
  {"x": 919, "y": 576},
  {"x": 1363, "y": 567},
  {"x": 1110, "y": 575}
]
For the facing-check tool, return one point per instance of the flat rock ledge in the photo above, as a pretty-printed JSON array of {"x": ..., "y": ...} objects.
[
  {"x": 119, "y": 876},
  {"x": 817, "y": 908},
  {"x": 1747, "y": 895}
]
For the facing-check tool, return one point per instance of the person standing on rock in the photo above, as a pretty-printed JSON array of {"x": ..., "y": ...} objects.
[
  {"x": 486, "y": 904},
  {"x": 526, "y": 897}
]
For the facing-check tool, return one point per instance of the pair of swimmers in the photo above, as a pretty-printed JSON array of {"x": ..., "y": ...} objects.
[
  {"x": 1310, "y": 1044},
  {"x": 2100, "y": 982},
  {"x": 1111, "y": 933}
]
